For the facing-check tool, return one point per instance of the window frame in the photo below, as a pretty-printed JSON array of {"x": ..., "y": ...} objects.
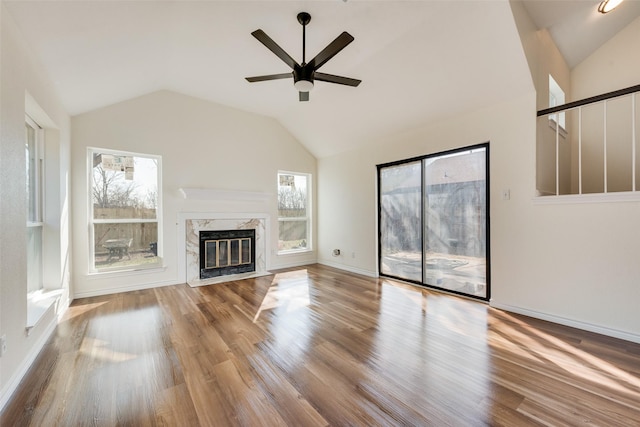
[
  {"x": 37, "y": 197},
  {"x": 92, "y": 221},
  {"x": 557, "y": 97},
  {"x": 308, "y": 210}
]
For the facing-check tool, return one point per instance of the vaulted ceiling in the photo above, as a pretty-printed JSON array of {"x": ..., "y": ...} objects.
[
  {"x": 577, "y": 27},
  {"x": 419, "y": 61}
]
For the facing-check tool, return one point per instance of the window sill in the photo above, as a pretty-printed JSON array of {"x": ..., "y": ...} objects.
[
  {"x": 38, "y": 304},
  {"x": 155, "y": 268},
  {"x": 626, "y": 196},
  {"x": 295, "y": 251},
  {"x": 563, "y": 132}
]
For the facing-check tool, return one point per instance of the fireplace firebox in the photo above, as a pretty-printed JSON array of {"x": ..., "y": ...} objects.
[{"x": 224, "y": 252}]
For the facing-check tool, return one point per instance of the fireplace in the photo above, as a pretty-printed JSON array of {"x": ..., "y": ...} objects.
[
  {"x": 224, "y": 252},
  {"x": 194, "y": 223}
]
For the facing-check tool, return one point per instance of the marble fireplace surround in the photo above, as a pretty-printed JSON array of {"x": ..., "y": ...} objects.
[{"x": 193, "y": 223}]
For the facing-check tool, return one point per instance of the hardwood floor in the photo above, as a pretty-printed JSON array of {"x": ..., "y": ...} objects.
[{"x": 315, "y": 346}]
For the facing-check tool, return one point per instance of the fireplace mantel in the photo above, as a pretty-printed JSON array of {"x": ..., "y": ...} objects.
[
  {"x": 190, "y": 225},
  {"x": 224, "y": 195}
]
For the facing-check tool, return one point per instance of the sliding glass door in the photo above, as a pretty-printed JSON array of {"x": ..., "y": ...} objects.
[{"x": 433, "y": 222}]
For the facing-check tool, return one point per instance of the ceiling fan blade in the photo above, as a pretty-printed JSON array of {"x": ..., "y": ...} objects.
[
  {"x": 331, "y": 50},
  {"x": 304, "y": 96},
  {"x": 323, "y": 77},
  {"x": 269, "y": 77},
  {"x": 273, "y": 47}
]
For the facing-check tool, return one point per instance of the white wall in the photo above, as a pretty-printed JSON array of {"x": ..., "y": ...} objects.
[
  {"x": 203, "y": 145},
  {"x": 571, "y": 263},
  {"x": 574, "y": 264},
  {"x": 613, "y": 66},
  {"x": 589, "y": 233},
  {"x": 24, "y": 87}
]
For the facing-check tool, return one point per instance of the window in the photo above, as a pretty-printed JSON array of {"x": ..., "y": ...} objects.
[
  {"x": 556, "y": 97},
  {"x": 34, "y": 153},
  {"x": 433, "y": 222},
  {"x": 125, "y": 210},
  {"x": 294, "y": 212}
]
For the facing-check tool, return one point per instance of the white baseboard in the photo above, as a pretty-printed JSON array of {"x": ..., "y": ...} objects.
[
  {"x": 349, "y": 268},
  {"x": 128, "y": 288},
  {"x": 291, "y": 264},
  {"x": 14, "y": 381},
  {"x": 603, "y": 330}
]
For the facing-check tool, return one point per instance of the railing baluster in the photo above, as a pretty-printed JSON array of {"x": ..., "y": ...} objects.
[
  {"x": 557, "y": 154},
  {"x": 633, "y": 142},
  {"x": 579, "y": 150},
  {"x": 605, "y": 145}
]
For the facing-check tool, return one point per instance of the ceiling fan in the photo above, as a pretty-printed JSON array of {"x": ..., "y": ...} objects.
[{"x": 304, "y": 74}]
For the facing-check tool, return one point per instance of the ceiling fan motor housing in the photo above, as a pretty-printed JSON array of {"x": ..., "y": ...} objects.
[{"x": 302, "y": 72}]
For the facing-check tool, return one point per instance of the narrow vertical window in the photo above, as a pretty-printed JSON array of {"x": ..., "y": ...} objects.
[
  {"x": 556, "y": 97},
  {"x": 125, "y": 210},
  {"x": 34, "y": 153},
  {"x": 294, "y": 218}
]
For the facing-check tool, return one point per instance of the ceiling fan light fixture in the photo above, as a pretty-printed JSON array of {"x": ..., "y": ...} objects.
[
  {"x": 607, "y": 6},
  {"x": 303, "y": 77},
  {"x": 303, "y": 85}
]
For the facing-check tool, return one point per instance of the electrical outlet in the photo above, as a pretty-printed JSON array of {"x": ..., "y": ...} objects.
[
  {"x": 506, "y": 194},
  {"x": 3, "y": 345},
  {"x": 353, "y": 254}
]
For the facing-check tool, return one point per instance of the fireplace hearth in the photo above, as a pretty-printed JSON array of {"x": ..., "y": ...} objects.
[{"x": 225, "y": 252}]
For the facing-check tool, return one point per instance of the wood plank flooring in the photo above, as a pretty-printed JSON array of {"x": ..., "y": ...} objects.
[{"x": 316, "y": 346}]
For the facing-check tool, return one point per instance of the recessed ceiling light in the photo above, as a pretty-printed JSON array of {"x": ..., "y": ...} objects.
[{"x": 608, "y": 5}]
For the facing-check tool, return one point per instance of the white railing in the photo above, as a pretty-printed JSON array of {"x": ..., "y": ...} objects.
[{"x": 615, "y": 168}]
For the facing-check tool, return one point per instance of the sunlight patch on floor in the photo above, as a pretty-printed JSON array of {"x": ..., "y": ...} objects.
[
  {"x": 573, "y": 360},
  {"x": 289, "y": 290},
  {"x": 98, "y": 349}
]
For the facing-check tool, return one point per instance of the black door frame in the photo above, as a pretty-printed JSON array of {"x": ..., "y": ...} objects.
[{"x": 379, "y": 167}]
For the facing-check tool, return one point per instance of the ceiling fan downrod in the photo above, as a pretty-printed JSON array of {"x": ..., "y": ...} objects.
[{"x": 304, "y": 18}]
